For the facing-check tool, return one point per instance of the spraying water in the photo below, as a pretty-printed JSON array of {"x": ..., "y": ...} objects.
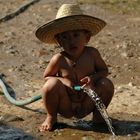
[{"x": 100, "y": 106}]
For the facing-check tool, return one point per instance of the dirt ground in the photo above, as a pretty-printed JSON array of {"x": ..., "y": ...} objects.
[{"x": 23, "y": 59}]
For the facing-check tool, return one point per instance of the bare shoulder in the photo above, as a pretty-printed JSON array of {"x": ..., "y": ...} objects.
[
  {"x": 53, "y": 66},
  {"x": 56, "y": 58},
  {"x": 92, "y": 51}
]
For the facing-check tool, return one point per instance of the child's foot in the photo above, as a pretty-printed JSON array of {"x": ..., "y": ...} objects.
[{"x": 48, "y": 124}]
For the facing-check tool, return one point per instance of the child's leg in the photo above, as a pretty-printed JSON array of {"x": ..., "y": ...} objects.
[
  {"x": 56, "y": 100},
  {"x": 105, "y": 89}
]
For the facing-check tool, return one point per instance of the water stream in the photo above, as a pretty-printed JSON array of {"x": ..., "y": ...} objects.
[{"x": 100, "y": 106}]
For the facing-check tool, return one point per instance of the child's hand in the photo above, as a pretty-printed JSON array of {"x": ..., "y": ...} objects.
[{"x": 86, "y": 81}]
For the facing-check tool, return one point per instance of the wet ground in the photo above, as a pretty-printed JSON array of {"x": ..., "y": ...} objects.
[
  {"x": 126, "y": 127},
  {"x": 23, "y": 123}
]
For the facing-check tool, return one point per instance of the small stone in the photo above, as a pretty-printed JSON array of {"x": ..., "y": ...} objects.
[
  {"x": 73, "y": 134},
  {"x": 42, "y": 52},
  {"x": 87, "y": 138},
  {"x": 124, "y": 54},
  {"x": 130, "y": 84},
  {"x": 59, "y": 134},
  {"x": 11, "y": 118},
  {"x": 129, "y": 135}
]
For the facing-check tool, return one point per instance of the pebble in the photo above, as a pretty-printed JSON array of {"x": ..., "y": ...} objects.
[
  {"x": 88, "y": 138},
  {"x": 73, "y": 134},
  {"x": 42, "y": 52},
  {"x": 10, "y": 118},
  {"x": 57, "y": 132},
  {"x": 130, "y": 84}
]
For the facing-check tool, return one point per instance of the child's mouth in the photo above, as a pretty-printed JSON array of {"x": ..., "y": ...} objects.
[{"x": 73, "y": 48}]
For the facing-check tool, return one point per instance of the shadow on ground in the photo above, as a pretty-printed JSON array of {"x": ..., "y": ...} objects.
[
  {"x": 121, "y": 127},
  {"x": 11, "y": 133}
]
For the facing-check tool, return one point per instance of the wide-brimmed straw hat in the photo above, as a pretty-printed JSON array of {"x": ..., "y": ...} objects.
[{"x": 69, "y": 17}]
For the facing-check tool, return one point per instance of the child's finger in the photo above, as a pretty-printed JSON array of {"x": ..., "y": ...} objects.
[
  {"x": 83, "y": 86},
  {"x": 84, "y": 79}
]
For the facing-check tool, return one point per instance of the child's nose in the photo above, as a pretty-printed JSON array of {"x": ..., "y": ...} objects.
[{"x": 72, "y": 39}]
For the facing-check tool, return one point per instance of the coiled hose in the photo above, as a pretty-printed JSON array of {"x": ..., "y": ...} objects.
[{"x": 6, "y": 90}]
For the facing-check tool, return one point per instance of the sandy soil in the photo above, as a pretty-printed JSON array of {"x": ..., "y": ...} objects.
[{"x": 23, "y": 59}]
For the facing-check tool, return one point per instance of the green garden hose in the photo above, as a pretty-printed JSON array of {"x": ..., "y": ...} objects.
[{"x": 5, "y": 87}]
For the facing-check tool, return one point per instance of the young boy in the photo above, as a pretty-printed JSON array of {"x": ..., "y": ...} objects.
[{"x": 75, "y": 65}]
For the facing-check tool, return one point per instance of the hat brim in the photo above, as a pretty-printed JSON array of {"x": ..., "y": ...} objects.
[{"x": 47, "y": 32}]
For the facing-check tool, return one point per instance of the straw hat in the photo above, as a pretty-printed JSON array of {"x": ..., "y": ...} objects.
[{"x": 69, "y": 17}]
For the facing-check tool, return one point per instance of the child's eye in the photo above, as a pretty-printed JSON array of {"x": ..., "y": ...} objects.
[
  {"x": 76, "y": 34},
  {"x": 64, "y": 37}
]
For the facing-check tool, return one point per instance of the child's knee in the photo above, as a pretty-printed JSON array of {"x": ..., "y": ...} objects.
[
  {"x": 106, "y": 83},
  {"x": 52, "y": 83}
]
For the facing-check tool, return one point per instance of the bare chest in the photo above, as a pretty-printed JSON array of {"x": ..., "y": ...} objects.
[{"x": 77, "y": 70}]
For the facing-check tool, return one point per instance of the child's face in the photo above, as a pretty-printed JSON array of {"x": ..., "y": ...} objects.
[{"x": 73, "y": 41}]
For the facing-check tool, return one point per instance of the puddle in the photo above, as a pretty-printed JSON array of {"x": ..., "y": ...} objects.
[
  {"x": 126, "y": 126},
  {"x": 129, "y": 128},
  {"x": 121, "y": 127},
  {"x": 11, "y": 133}
]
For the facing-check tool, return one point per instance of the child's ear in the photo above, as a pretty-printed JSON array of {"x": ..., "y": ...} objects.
[
  {"x": 57, "y": 39},
  {"x": 88, "y": 37}
]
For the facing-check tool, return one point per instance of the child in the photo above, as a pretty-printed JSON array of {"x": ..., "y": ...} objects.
[{"x": 77, "y": 64}]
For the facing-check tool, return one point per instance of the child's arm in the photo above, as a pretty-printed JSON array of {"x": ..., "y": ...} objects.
[
  {"x": 101, "y": 69},
  {"x": 52, "y": 67}
]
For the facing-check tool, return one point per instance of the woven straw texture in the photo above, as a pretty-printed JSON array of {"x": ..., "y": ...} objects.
[{"x": 69, "y": 17}]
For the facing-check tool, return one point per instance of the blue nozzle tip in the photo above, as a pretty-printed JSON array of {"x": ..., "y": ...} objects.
[{"x": 78, "y": 88}]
